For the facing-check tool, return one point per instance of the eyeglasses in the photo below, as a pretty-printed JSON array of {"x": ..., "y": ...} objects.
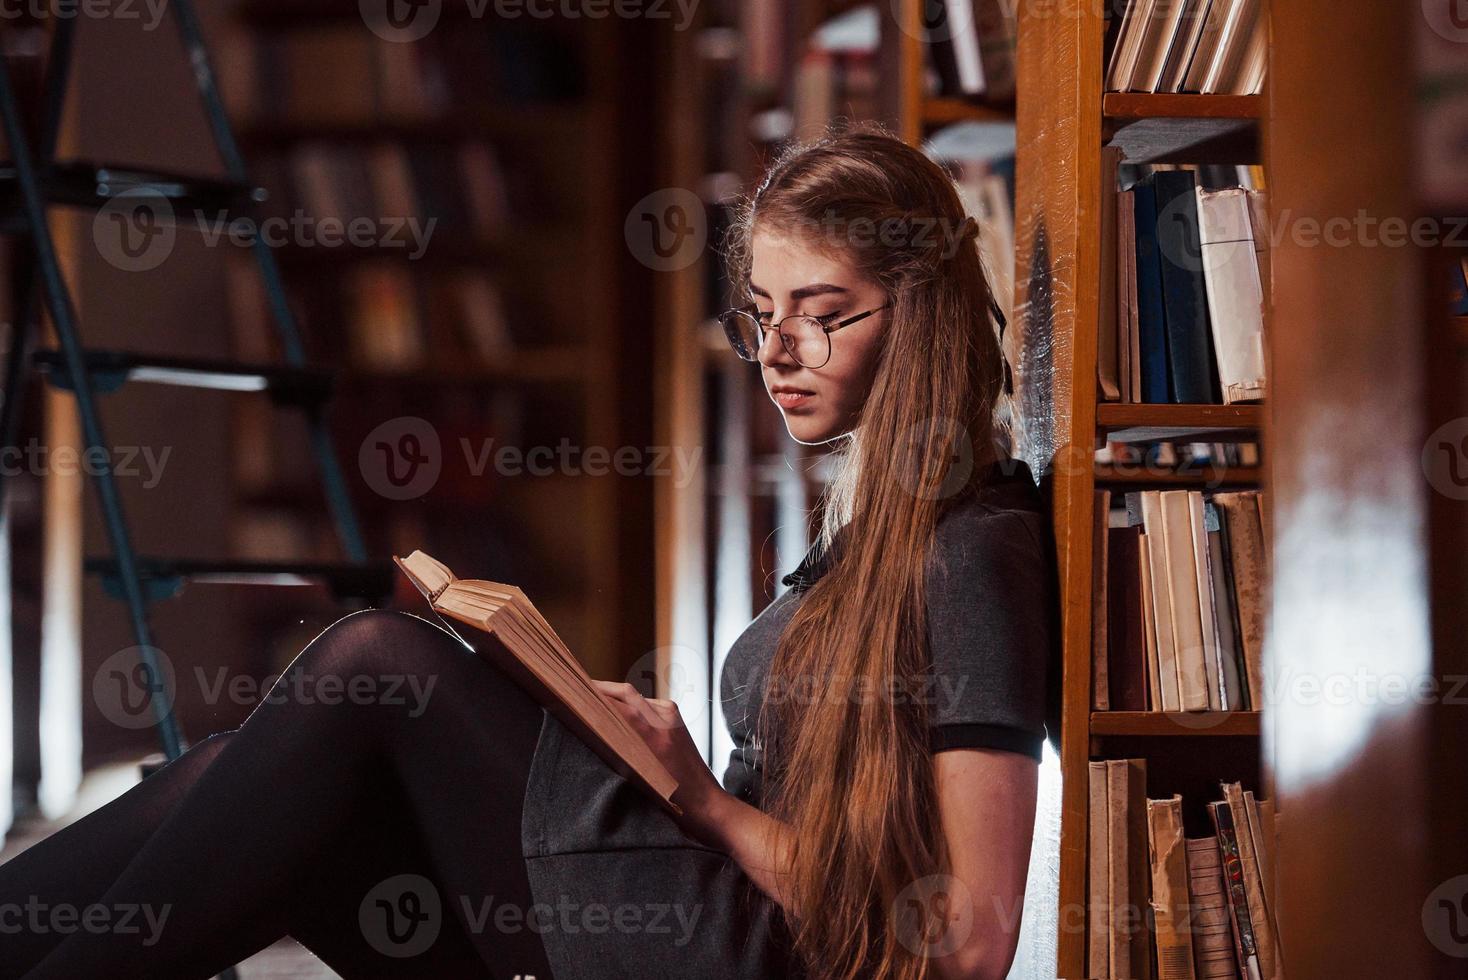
[{"x": 807, "y": 339}]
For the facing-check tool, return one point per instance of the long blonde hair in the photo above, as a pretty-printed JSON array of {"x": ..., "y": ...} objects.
[{"x": 853, "y": 775}]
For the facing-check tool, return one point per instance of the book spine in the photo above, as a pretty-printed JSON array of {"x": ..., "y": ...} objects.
[
  {"x": 1189, "y": 341},
  {"x": 1151, "y": 318},
  {"x": 1233, "y": 878}
]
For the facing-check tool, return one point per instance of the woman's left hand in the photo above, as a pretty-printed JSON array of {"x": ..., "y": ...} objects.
[{"x": 661, "y": 725}]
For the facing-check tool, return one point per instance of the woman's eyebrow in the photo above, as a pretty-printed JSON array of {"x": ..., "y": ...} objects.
[{"x": 804, "y": 292}]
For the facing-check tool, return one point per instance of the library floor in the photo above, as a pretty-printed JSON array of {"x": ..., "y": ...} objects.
[{"x": 286, "y": 960}]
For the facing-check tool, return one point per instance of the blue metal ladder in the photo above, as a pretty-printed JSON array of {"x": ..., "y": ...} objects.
[{"x": 32, "y": 182}]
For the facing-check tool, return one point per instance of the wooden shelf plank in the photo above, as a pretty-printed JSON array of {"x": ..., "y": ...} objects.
[
  {"x": 1151, "y": 105},
  {"x": 1145, "y": 422},
  {"x": 1165, "y": 724},
  {"x": 1152, "y": 128},
  {"x": 943, "y": 111}
]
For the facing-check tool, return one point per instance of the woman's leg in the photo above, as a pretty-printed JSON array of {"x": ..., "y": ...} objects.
[
  {"x": 383, "y": 723},
  {"x": 71, "y": 869},
  {"x": 74, "y": 866}
]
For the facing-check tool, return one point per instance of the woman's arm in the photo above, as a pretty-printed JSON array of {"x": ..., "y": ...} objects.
[
  {"x": 986, "y": 799},
  {"x": 986, "y": 802},
  {"x": 758, "y": 842}
]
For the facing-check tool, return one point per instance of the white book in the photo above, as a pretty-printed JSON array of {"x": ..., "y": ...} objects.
[
  {"x": 1235, "y": 291},
  {"x": 963, "y": 28}
]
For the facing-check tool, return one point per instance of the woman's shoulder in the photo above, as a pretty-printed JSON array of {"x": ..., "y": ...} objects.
[{"x": 1006, "y": 508}]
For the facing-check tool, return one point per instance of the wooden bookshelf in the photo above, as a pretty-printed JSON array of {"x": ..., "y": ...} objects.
[{"x": 1064, "y": 119}]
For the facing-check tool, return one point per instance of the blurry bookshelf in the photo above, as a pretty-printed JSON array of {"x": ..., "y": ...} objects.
[{"x": 432, "y": 195}]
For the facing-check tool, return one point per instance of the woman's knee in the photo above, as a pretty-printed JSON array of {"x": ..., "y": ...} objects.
[
  {"x": 364, "y": 653},
  {"x": 207, "y": 749}
]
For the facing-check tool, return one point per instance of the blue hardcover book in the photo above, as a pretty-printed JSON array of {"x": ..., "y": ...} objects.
[
  {"x": 1189, "y": 336},
  {"x": 1151, "y": 320}
]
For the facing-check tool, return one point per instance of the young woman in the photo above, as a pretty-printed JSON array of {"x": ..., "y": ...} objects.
[{"x": 888, "y": 711}]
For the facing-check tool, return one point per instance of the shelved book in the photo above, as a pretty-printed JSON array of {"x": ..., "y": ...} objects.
[
  {"x": 412, "y": 192},
  {"x": 986, "y": 187},
  {"x": 1161, "y": 904},
  {"x": 1210, "y": 47},
  {"x": 525, "y": 646},
  {"x": 832, "y": 83},
  {"x": 387, "y": 316},
  {"x": 1178, "y": 604},
  {"x": 1183, "y": 318},
  {"x": 972, "y": 45}
]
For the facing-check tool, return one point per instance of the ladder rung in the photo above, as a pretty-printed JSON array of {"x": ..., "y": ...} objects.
[
  {"x": 86, "y": 184},
  {"x": 165, "y": 577},
  {"x": 110, "y": 369}
]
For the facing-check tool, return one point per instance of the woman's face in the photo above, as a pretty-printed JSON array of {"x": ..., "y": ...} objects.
[{"x": 787, "y": 276}]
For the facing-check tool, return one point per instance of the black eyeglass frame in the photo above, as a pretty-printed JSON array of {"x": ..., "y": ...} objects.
[
  {"x": 999, "y": 319},
  {"x": 763, "y": 328}
]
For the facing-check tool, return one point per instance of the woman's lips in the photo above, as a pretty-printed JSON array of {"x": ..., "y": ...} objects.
[{"x": 790, "y": 399}]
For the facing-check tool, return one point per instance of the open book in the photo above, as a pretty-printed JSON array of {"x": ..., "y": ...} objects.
[{"x": 525, "y": 647}]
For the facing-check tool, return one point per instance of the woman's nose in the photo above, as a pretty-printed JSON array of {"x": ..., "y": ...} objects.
[{"x": 772, "y": 350}]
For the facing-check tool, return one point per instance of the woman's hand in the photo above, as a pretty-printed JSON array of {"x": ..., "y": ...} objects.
[{"x": 661, "y": 725}]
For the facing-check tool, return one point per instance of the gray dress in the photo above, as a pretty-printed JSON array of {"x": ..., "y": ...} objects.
[{"x": 642, "y": 900}]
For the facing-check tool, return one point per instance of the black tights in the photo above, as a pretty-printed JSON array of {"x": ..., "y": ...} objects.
[{"x": 286, "y": 825}]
